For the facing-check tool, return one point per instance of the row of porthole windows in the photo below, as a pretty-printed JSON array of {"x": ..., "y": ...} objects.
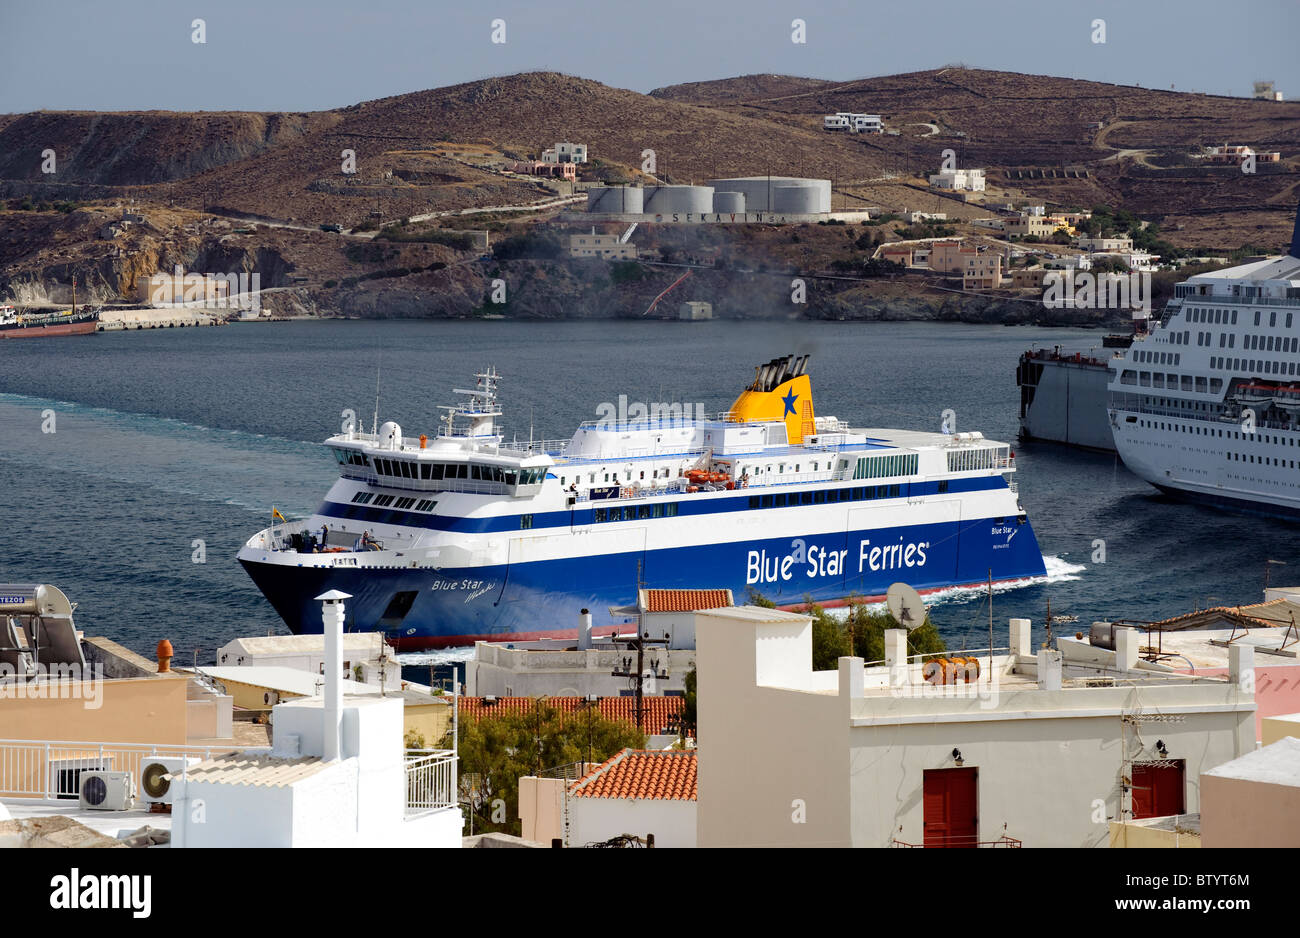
[
  {"x": 1157, "y": 358},
  {"x": 1253, "y": 365},
  {"x": 1265, "y": 438},
  {"x": 824, "y": 496},
  {"x": 635, "y": 512}
]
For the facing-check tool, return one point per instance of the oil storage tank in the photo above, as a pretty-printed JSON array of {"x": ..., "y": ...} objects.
[
  {"x": 682, "y": 200},
  {"x": 729, "y": 203},
  {"x": 616, "y": 200},
  {"x": 761, "y": 191},
  {"x": 797, "y": 200}
]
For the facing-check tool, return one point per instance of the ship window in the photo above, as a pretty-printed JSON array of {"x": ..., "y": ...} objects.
[
  {"x": 753, "y": 501},
  {"x": 425, "y": 504},
  {"x": 806, "y": 498},
  {"x": 670, "y": 509},
  {"x": 767, "y": 501},
  {"x": 943, "y": 486},
  {"x": 656, "y": 511},
  {"x": 780, "y": 500},
  {"x": 383, "y": 501},
  {"x": 643, "y": 511},
  {"x": 404, "y": 503},
  {"x": 819, "y": 498},
  {"x": 362, "y": 498},
  {"x": 833, "y": 495},
  {"x": 1272, "y": 320},
  {"x": 525, "y": 522},
  {"x": 475, "y": 472},
  {"x": 599, "y": 514}
]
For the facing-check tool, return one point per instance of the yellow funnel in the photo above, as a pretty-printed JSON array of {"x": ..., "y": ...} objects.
[{"x": 780, "y": 392}]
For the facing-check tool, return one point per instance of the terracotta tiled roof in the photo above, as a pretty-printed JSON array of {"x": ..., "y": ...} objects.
[
  {"x": 1271, "y": 614},
  {"x": 642, "y": 775},
  {"x": 660, "y": 711},
  {"x": 684, "y": 600}
]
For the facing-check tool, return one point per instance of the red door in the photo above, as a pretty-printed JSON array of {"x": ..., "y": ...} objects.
[
  {"x": 1158, "y": 788},
  {"x": 951, "y": 807}
]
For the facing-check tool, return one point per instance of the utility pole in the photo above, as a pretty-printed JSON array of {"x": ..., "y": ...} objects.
[{"x": 638, "y": 677}]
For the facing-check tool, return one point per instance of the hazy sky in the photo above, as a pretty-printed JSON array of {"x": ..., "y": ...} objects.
[{"x": 293, "y": 55}]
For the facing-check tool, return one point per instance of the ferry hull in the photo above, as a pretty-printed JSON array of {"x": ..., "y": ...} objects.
[{"x": 429, "y": 607}]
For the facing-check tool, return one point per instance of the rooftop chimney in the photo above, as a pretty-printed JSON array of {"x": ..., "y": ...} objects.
[
  {"x": 584, "y": 630},
  {"x": 332, "y": 618},
  {"x": 1049, "y": 669},
  {"x": 164, "y": 652},
  {"x": 1241, "y": 665}
]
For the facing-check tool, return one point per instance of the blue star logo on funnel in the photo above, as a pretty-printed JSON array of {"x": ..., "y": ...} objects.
[{"x": 789, "y": 400}]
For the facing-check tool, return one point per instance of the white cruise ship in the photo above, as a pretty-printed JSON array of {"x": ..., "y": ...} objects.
[
  {"x": 442, "y": 540},
  {"x": 1206, "y": 407}
]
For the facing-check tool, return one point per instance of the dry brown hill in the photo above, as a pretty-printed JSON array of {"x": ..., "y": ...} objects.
[
  {"x": 741, "y": 89},
  {"x": 411, "y": 148}
]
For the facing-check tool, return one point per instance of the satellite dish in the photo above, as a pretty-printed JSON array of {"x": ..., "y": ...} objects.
[{"x": 904, "y": 604}]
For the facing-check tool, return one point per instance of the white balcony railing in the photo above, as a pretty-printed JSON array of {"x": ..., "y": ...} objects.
[
  {"x": 51, "y": 771},
  {"x": 430, "y": 780}
]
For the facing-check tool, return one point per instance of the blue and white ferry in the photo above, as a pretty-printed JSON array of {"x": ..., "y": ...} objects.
[{"x": 465, "y": 536}]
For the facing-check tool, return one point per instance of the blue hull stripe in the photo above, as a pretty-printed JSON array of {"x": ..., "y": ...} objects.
[
  {"x": 581, "y": 516},
  {"x": 453, "y": 606}
]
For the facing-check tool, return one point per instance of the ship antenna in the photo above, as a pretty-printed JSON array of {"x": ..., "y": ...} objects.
[{"x": 374, "y": 425}]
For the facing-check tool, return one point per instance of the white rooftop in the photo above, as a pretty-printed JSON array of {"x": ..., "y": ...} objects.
[
  {"x": 109, "y": 823},
  {"x": 1276, "y": 764},
  {"x": 286, "y": 680},
  {"x": 1196, "y": 647},
  {"x": 302, "y": 644},
  {"x": 1271, "y": 268},
  {"x": 753, "y": 614}
]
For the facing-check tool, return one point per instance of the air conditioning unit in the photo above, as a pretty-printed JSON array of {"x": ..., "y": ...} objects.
[
  {"x": 156, "y": 777},
  {"x": 107, "y": 791},
  {"x": 271, "y": 698}
]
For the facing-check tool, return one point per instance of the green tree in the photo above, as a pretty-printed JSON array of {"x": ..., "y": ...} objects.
[
  {"x": 830, "y": 633},
  {"x": 688, "y": 719},
  {"x": 496, "y": 750}
]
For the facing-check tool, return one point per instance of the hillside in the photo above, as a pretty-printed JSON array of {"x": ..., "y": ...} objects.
[{"x": 439, "y": 152}]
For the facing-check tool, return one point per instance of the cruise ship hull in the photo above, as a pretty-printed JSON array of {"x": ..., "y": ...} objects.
[
  {"x": 424, "y": 607},
  {"x": 1164, "y": 459}
]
